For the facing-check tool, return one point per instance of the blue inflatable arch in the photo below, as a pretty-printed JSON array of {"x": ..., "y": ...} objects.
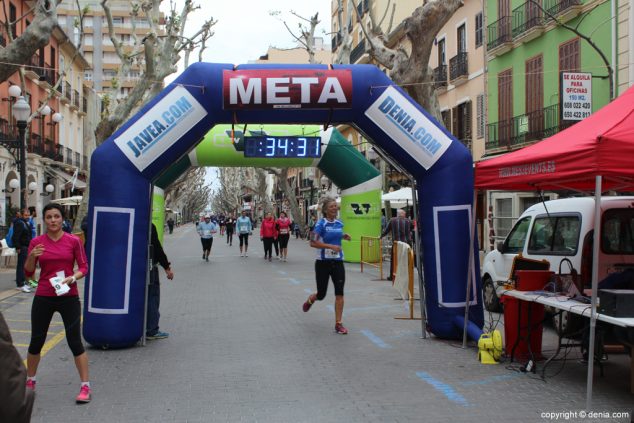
[{"x": 124, "y": 168}]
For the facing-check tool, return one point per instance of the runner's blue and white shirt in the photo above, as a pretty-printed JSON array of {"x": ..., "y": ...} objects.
[
  {"x": 206, "y": 230},
  {"x": 328, "y": 232}
]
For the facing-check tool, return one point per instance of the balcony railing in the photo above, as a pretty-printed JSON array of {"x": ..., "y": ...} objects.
[
  {"x": 555, "y": 7},
  {"x": 525, "y": 128},
  {"x": 458, "y": 66},
  {"x": 336, "y": 40},
  {"x": 35, "y": 144},
  {"x": 76, "y": 98},
  {"x": 357, "y": 52},
  {"x": 68, "y": 91},
  {"x": 526, "y": 17},
  {"x": 440, "y": 76},
  {"x": 7, "y": 132},
  {"x": 499, "y": 32}
]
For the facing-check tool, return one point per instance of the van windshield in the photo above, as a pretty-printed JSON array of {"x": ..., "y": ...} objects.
[
  {"x": 617, "y": 231},
  {"x": 555, "y": 235}
]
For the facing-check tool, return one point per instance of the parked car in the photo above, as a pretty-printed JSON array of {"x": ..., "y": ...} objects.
[{"x": 564, "y": 228}]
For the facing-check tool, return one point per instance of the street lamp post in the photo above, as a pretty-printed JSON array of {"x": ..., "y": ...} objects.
[{"x": 21, "y": 112}]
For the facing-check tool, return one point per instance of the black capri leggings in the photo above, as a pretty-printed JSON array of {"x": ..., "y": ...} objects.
[
  {"x": 244, "y": 239},
  {"x": 283, "y": 240},
  {"x": 326, "y": 269},
  {"x": 42, "y": 312}
]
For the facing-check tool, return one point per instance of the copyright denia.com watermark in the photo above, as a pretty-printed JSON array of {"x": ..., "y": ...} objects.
[{"x": 582, "y": 414}]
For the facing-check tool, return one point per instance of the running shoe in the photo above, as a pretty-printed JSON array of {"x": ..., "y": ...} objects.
[
  {"x": 307, "y": 305},
  {"x": 158, "y": 335},
  {"x": 25, "y": 288},
  {"x": 30, "y": 384},
  {"x": 203, "y": 256},
  {"x": 270, "y": 259},
  {"x": 206, "y": 258},
  {"x": 340, "y": 329},
  {"x": 84, "y": 395}
]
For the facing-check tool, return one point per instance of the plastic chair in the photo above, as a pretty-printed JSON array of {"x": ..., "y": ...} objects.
[{"x": 7, "y": 252}]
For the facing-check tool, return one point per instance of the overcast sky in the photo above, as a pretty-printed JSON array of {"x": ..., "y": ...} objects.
[{"x": 245, "y": 30}]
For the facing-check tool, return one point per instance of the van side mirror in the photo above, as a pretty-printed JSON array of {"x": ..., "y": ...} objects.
[{"x": 500, "y": 246}]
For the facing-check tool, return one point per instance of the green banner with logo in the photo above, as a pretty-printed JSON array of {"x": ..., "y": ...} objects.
[{"x": 361, "y": 214}]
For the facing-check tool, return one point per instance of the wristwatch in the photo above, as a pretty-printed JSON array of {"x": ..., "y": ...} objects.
[{"x": 74, "y": 279}]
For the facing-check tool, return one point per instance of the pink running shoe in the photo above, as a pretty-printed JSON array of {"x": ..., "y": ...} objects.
[
  {"x": 30, "y": 384},
  {"x": 307, "y": 305},
  {"x": 340, "y": 329},
  {"x": 84, "y": 395}
]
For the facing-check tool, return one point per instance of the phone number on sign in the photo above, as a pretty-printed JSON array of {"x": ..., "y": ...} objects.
[{"x": 582, "y": 414}]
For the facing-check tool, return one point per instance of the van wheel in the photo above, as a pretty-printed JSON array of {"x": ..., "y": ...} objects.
[
  {"x": 490, "y": 297},
  {"x": 571, "y": 324}
]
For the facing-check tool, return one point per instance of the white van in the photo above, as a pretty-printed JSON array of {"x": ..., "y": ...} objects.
[{"x": 558, "y": 229}]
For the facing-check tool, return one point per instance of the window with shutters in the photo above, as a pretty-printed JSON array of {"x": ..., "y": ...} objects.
[
  {"x": 505, "y": 106},
  {"x": 478, "y": 30},
  {"x": 535, "y": 97},
  {"x": 569, "y": 56},
  {"x": 480, "y": 120},
  {"x": 461, "y": 35},
  {"x": 446, "y": 118},
  {"x": 461, "y": 122}
]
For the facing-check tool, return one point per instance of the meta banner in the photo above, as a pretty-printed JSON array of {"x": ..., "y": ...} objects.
[
  {"x": 287, "y": 89},
  {"x": 410, "y": 128},
  {"x": 160, "y": 127}
]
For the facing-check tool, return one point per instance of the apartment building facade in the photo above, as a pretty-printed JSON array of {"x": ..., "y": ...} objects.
[
  {"x": 527, "y": 51},
  {"x": 47, "y": 173}
]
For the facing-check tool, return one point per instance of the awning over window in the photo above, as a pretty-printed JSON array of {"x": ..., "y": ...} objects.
[{"x": 65, "y": 178}]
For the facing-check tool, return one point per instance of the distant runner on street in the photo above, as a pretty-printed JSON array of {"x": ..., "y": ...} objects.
[
  {"x": 243, "y": 229},
  {"x": 206, "y": 230}
]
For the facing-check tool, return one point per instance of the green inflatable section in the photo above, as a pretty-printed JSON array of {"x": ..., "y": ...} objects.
[
  {"x": 360, "y": 182},
  {"x": 158, "y": 211}
]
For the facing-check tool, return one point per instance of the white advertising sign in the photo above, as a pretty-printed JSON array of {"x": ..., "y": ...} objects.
[
  {"x": 576, "y": 95},
  {"x": 160, "y": 127},
  {"x": 410, "y": 128}
]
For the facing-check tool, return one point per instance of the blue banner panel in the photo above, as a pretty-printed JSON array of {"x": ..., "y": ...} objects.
[{"x": 112, "y": 226}]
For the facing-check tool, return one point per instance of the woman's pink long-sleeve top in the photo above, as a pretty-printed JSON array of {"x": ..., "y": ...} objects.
[{"x": 58, "y": 256}]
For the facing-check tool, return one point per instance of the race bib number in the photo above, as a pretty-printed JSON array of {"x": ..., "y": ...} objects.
[
  {"x": 331, "y": 254},
  {"x": 284, "y": 231},
  {"x": 206, "y": 232}
]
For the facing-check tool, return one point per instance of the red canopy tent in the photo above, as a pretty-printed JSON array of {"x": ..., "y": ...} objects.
[
  {"x": 595, "y": 154},
  {"x": 600, "y": 145}
]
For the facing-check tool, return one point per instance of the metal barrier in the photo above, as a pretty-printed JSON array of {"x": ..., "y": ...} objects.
[{"x": 372, "y": 253}]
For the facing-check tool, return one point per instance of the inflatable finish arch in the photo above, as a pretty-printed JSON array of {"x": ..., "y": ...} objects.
[{"x": 124, "y": 168}]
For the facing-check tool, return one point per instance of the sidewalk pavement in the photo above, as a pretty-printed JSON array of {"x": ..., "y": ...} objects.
[{"x": 241, "y": 350}]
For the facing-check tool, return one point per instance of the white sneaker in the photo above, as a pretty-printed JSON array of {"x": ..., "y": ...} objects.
[{"x": 25, "y": 288}]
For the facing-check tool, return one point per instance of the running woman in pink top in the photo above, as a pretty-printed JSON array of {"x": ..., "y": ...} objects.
[
  {"x": 284, "y": 232},
  {"x": 57, "y": 252}
]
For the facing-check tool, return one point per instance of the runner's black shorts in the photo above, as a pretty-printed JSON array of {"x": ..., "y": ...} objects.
[
  {"x": 283, "y": 240},
  {"x": 244, "y": 239},
  {"x": 329, "y": 269},
  {"x": 206, "y": 242}
]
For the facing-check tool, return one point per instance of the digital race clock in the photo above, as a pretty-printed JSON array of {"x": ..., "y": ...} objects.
[{"x": 282, "y": 147}]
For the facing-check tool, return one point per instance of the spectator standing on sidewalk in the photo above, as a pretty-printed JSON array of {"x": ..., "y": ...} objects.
[
  {"x": 243, "y": 229},
  {"x": 268, "y": 234},
  {"x": 17, "y": 401},
  {"x": 154, "y": 289},
  {"x": 326, "y": 238},
  {"x": 206, "y": 230},
  {"x": 21, "y": 239},
  {"x": 170, "y": 225},
  {"x": 400, "y": 227},
  {"x": 284, "y": 233},
  {"x": 57, "y": 252}
]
